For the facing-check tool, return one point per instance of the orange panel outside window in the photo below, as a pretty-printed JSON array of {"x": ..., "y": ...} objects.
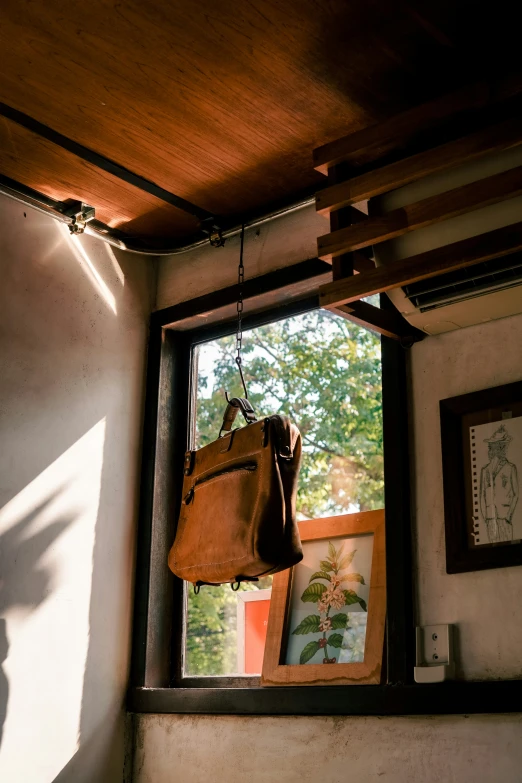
[{"x": 256, "y": 619}]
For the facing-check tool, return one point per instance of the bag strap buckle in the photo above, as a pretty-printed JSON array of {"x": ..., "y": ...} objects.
[
  {"x": 188, "y": 466},
  {"x": 236, "y": 404}
]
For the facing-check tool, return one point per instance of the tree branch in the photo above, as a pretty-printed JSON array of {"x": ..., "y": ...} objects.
[
  {"x": 326, "y": 450},
  {"x": 274, "y": 356}
]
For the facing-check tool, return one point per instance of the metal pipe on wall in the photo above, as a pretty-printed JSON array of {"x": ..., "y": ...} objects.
[{"x": 46, "y": 206}]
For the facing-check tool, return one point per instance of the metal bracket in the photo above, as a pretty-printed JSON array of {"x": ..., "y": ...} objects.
[
  {"x": 213, "y": 231},
  {"x": 216, "y": 238},
  {"x": 80, "y": 215}
]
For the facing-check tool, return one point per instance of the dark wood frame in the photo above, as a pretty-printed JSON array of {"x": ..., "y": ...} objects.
[
  {"x": 158, "y": 596},
  {"x": 456, "y": 415}
]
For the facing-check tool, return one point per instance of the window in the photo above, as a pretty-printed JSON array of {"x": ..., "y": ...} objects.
[
  {"x": 325, "y": 373},
  {"x": 179, "y": 411}
]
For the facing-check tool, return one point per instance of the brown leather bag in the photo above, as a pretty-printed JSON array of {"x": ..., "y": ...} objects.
[{"x": 238, "y": 518}]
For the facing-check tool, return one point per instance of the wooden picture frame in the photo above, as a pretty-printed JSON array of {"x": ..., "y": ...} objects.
[
  {"x": 337, "y": 535},
  {"x": 471, "y": 425}
]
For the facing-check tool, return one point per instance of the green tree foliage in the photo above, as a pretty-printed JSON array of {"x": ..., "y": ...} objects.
[
  {"x": 325, "y": 373},
  {"x": 211, "y": 645}
]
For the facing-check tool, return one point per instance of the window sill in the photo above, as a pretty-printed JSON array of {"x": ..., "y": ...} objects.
[{"x": 448, "y": 698}]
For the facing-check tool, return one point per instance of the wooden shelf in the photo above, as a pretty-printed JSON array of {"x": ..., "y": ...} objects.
[{"x": 447, "y": 698}]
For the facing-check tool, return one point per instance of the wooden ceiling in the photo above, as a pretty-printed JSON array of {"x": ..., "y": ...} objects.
[{"x": 220, "y": 102}]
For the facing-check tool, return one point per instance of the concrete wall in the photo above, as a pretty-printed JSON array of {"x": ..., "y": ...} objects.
[
  {"x": 282, "y": 242},
  {"x": 481, "y": 749},
  {"x": 73, "y": 327},
  {"x": 485, "y": 606}
]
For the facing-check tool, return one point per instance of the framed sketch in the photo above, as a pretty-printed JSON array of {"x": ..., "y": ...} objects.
[
  {"x": 482, "y": 469},
  {"x": 327, "y": 614}
]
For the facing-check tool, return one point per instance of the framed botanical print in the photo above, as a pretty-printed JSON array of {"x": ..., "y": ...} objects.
[
  {"x": 482, "y": 468},
  {"x": 327, "y": 614}
]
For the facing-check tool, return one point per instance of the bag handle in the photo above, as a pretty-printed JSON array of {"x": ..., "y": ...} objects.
[{"x": 234, "y": 405}]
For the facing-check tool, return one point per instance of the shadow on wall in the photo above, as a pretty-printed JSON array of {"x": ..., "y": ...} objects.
[
  {"x": 101, "y": 752},
  {"x": 95, "y": 747},
  {"x": 103, "y": 722},
  {"x": 76, "y": 316},
  {"x": 18, "y": 545}
]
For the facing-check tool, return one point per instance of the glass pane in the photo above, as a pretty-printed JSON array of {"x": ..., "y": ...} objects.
[
  {"x": 213, "y": 619},
  {"x": 325, "y": 373}
]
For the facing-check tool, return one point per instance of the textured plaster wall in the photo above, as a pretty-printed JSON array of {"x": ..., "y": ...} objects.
[
  {"x": 485, "y": 605},
  {"x": 73, "y": 330},
  {"x": 285, "y": 241},
  {"x": 481, "y": 749}
]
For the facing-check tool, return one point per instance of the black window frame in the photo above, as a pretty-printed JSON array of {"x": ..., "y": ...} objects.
[{"x": 155, "y": 683}]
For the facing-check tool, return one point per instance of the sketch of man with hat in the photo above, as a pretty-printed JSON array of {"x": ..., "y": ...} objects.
[{"x": 498, "y": 488}]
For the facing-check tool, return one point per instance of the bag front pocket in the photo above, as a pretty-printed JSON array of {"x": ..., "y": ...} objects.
[
  {"x": 249, "y": 467},
  {"x": 216, "y": 540}
]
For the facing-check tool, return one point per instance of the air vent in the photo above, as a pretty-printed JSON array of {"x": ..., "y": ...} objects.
[{"x": 477, "y": 280}]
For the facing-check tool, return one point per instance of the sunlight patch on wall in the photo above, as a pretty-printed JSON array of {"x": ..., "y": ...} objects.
[
  {"x": 114, "y": 261},
  {"x": 47, "y": 535},
  {"x": 87, "y": 265}
]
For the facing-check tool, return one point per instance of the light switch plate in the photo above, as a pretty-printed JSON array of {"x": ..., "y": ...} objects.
[{"x": 434, "y": 653}]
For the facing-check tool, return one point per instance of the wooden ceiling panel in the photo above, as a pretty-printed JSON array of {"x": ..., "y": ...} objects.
[
  {"x": 222, "y": 101},
  {"x": 60, "y": 175}
]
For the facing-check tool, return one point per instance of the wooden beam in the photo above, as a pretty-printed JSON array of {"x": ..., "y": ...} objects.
[
  {"x": 343, "y": 265},
  {"x": 371, "y": 144},
  {"x": 361, "y": 262},
  {"x": 420, "y": 214},
  {"x": 374, "y": 183},
  {"x": 357, "y": 261},
  {"x": 389, "y": 323},
  {"x": 349, "y": 215},
  {"x": 303, "y": 277},
  {"x": 466, "y": 252}
]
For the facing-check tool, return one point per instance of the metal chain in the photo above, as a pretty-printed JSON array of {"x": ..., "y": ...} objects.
[{"x": 239, "y": 333}]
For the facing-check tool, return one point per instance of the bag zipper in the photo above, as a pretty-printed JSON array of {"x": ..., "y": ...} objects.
[{"x": 248, "y": 466}]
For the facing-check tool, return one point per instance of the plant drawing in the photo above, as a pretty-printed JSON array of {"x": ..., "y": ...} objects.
[{"x": 328, "y": 597}]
